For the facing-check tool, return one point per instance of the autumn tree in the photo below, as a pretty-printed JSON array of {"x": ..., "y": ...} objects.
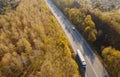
[
  {"x": 111, "y": 57},
  {"x": 89, "y": 28}
]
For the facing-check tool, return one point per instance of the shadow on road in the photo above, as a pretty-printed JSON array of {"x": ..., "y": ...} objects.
[{"x": 84, "y": 47}]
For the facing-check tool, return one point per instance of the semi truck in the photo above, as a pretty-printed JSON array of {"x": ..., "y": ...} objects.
[{"x": 80, "y": 60}]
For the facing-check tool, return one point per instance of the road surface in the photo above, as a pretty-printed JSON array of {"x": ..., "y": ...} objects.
[{"x": 94, "y": 67}]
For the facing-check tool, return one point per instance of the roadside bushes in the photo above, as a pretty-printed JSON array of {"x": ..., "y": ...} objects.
[{"x": 83, "y": 22}]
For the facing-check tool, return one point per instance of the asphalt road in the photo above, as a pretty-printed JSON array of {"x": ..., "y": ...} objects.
[{"x": 94, "y": 67}]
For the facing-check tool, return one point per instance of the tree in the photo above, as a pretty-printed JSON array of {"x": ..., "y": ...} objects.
[
  {"x": 111, "y": 57},
  {"x": 89, "y": 28}
]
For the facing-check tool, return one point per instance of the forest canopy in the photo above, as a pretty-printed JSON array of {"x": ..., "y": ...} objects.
[{"x": 32, "y": 44}]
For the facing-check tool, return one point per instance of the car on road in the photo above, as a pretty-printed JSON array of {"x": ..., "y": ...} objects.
[{"x": 73, "y": 28}]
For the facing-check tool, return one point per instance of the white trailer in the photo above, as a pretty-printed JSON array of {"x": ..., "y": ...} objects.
[{"x": 81, "y": 59}]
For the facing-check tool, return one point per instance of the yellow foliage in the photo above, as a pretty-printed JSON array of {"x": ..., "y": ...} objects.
[
  {"x": 88, "y": 21},
  {"x": 35, "y": 43},
  {"x": 112, "y": 59},
  {"x": 6, "y": 59},
  {"x": 87, "y": 28}
]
